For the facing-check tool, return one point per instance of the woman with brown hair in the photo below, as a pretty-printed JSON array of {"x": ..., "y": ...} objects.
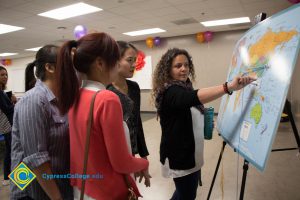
[
  {"x": 130, "y": 96},
  {"x": 95, "y": 55},
  {"x": 180, "y": 108},
  {"x": 7, "y": 107}
]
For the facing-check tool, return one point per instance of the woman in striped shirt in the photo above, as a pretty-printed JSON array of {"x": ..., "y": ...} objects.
[{"x": 40, "y": 137}]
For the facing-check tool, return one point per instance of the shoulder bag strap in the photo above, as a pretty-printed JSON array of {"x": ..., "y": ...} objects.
[{"x": 87, "y": 143}]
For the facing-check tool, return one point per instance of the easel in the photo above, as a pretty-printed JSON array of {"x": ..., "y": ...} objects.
[
  {"x": 246, "y": 163},
  {"x": 288, "y": 109}
]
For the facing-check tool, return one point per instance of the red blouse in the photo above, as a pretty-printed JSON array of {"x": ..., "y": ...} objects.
[{"x": 108, "y": 153}]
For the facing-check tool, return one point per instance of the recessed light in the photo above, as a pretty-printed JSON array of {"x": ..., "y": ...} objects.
[
  {"x": 70, "y": 11},
  {"x": 4, "y": 28},
  {"x": 7, "y": 54},
  {"x": 33, "y": 49},
  {"x": 226, "y": 21},
  {"x": 145, "y": 32}
]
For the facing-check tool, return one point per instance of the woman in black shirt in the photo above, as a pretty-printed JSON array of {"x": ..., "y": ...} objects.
[
  {"x": 7, "y": 107},
  {"x": 130, "y": 97},
  {"x": 180, "y": 109}
]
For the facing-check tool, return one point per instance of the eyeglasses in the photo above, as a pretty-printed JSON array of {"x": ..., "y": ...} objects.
[{"x": 179, "y": 65}]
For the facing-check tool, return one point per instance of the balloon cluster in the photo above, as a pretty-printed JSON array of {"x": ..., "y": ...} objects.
[
  {"x": 150, "y": 42},
  {"x": 80, "y": 31},
  {"x": 294, "y": 1},
  {"x": 206, "y": 36},
  {"x": 6, "y": 62}
]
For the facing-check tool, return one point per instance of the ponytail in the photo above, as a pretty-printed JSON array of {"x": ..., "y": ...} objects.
[
  {"x": 29, "y": 76},
  {"x": 67, "y": 82},
  {"x": 86, "y": 50}
]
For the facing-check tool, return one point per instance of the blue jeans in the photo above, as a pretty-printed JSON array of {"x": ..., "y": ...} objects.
[{"x": 186, "y": 187}]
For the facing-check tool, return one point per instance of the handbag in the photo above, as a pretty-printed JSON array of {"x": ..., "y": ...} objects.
[
  {"x": 131, "y": 195},
  {"x": 5, "y": 126}
]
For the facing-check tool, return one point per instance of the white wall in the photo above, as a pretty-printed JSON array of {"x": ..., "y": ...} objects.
[
  {"x": 211, "y": 63},
  {"x": 211, "y": 60},
  {"x": 16, "y": 75}
]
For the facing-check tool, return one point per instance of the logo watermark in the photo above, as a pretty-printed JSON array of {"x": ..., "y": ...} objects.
[
  {"x": 72, "y": 176},
  {"x": 22, "y": 176}
]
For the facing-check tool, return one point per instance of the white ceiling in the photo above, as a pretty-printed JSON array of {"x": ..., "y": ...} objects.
[{"x": 119, "y": 16}]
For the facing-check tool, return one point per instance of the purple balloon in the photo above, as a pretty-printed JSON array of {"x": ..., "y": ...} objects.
[
  {"x": 80, "y": 31},
  {"x": 208, "y": 36},
  {"x": 157, "y": 41},
  {"x": 294, "y": 1}
]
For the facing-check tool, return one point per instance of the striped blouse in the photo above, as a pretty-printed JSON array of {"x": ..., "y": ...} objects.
[{"x": 40, "y": 135}]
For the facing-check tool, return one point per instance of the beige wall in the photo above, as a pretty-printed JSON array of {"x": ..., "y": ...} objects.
[
  {"x": 211, "y": 64},
  {"x": 211, "y": 60}
]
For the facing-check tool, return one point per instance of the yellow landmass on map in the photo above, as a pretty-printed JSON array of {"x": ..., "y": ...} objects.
[
  {"x": 256, "y": 113},
  {"x": 268, "y": 43}
]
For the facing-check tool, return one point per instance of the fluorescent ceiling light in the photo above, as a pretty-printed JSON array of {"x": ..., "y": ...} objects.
[
  {"x": 33, "y": 49},
  {"x": 7, "y": 54},
  {"x": 145, "y": 32},
  {"x": 4, "y": 28},
  {"x": 70, "y": 11},
  {"x": 226, "y": 21}
]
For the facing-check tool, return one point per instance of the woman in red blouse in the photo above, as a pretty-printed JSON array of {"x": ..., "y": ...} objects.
[{"x": 95, "y": 55}]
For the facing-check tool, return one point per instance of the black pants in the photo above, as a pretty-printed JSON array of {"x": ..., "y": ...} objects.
[
  {"x": 7, "y": 158},
  {"x": 186, "y": 187},
  {"x": 25, "y": 198}
]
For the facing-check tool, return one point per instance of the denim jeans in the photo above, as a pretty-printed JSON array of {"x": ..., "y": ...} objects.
[{"x": 186, "y": 187}]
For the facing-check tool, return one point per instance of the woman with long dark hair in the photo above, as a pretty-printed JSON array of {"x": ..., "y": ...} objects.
[
  {"x": 40, "y": 136},
  {"x": 95, "y": 55},
  {"x": 130, "y": 96},
  {"x": 7, "y": 107}
]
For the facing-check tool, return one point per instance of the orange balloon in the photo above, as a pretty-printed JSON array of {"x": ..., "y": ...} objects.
[
  {"x": 149, "y": 42},
  {"x": 200, "y": 37},
  {"x": 7, "y": 62}
]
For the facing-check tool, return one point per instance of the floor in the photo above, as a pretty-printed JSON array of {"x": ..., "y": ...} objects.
[{"x": 279, "y": 181}]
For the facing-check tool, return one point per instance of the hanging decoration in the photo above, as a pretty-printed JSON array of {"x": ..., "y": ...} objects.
[
  {"x": 6, "y": 62},
  {"x": 200, "y": 37},
  {"x": 140, "y": 61},
  {"x": 157, "y": 41},
  {"x": 80, "y": 31},
  {"x": 294, "y": 1},
  {"x": 149, "y": 42},
  {"x": 208, "y": 36}
]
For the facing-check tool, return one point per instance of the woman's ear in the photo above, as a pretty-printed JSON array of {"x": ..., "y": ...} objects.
[
  {"x": 100, "y": 64},
  {"x": 50, "y": 68}
]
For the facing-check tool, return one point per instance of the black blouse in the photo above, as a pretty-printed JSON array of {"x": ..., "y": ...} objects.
[
  {"x": 6, "y": 106},
  {"x": 131, "y": 114},
  {"x": 177, "y": 141}
]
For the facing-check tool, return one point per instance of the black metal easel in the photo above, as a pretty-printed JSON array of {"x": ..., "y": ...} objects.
[
  {"x": 288, "y": 109},
  {"x": 246, "y": 163},
  {"x": 245, "y": 170}
]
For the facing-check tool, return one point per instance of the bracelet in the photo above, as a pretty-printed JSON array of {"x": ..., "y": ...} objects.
[{"x": 225, "y": 87}]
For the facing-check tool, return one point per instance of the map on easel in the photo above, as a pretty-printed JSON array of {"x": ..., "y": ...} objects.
[{"x": 248, "y": 119}]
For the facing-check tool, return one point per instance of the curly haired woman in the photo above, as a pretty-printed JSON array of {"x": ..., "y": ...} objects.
[{"x": 180, "y": 108}]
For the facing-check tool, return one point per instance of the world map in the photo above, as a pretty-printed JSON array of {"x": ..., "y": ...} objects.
[{"x": 248, "y": 119}]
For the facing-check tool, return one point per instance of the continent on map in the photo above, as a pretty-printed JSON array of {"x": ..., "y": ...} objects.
[
  {"x": 256, "y": 113},
  {"x": 268, "y": 42}
]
